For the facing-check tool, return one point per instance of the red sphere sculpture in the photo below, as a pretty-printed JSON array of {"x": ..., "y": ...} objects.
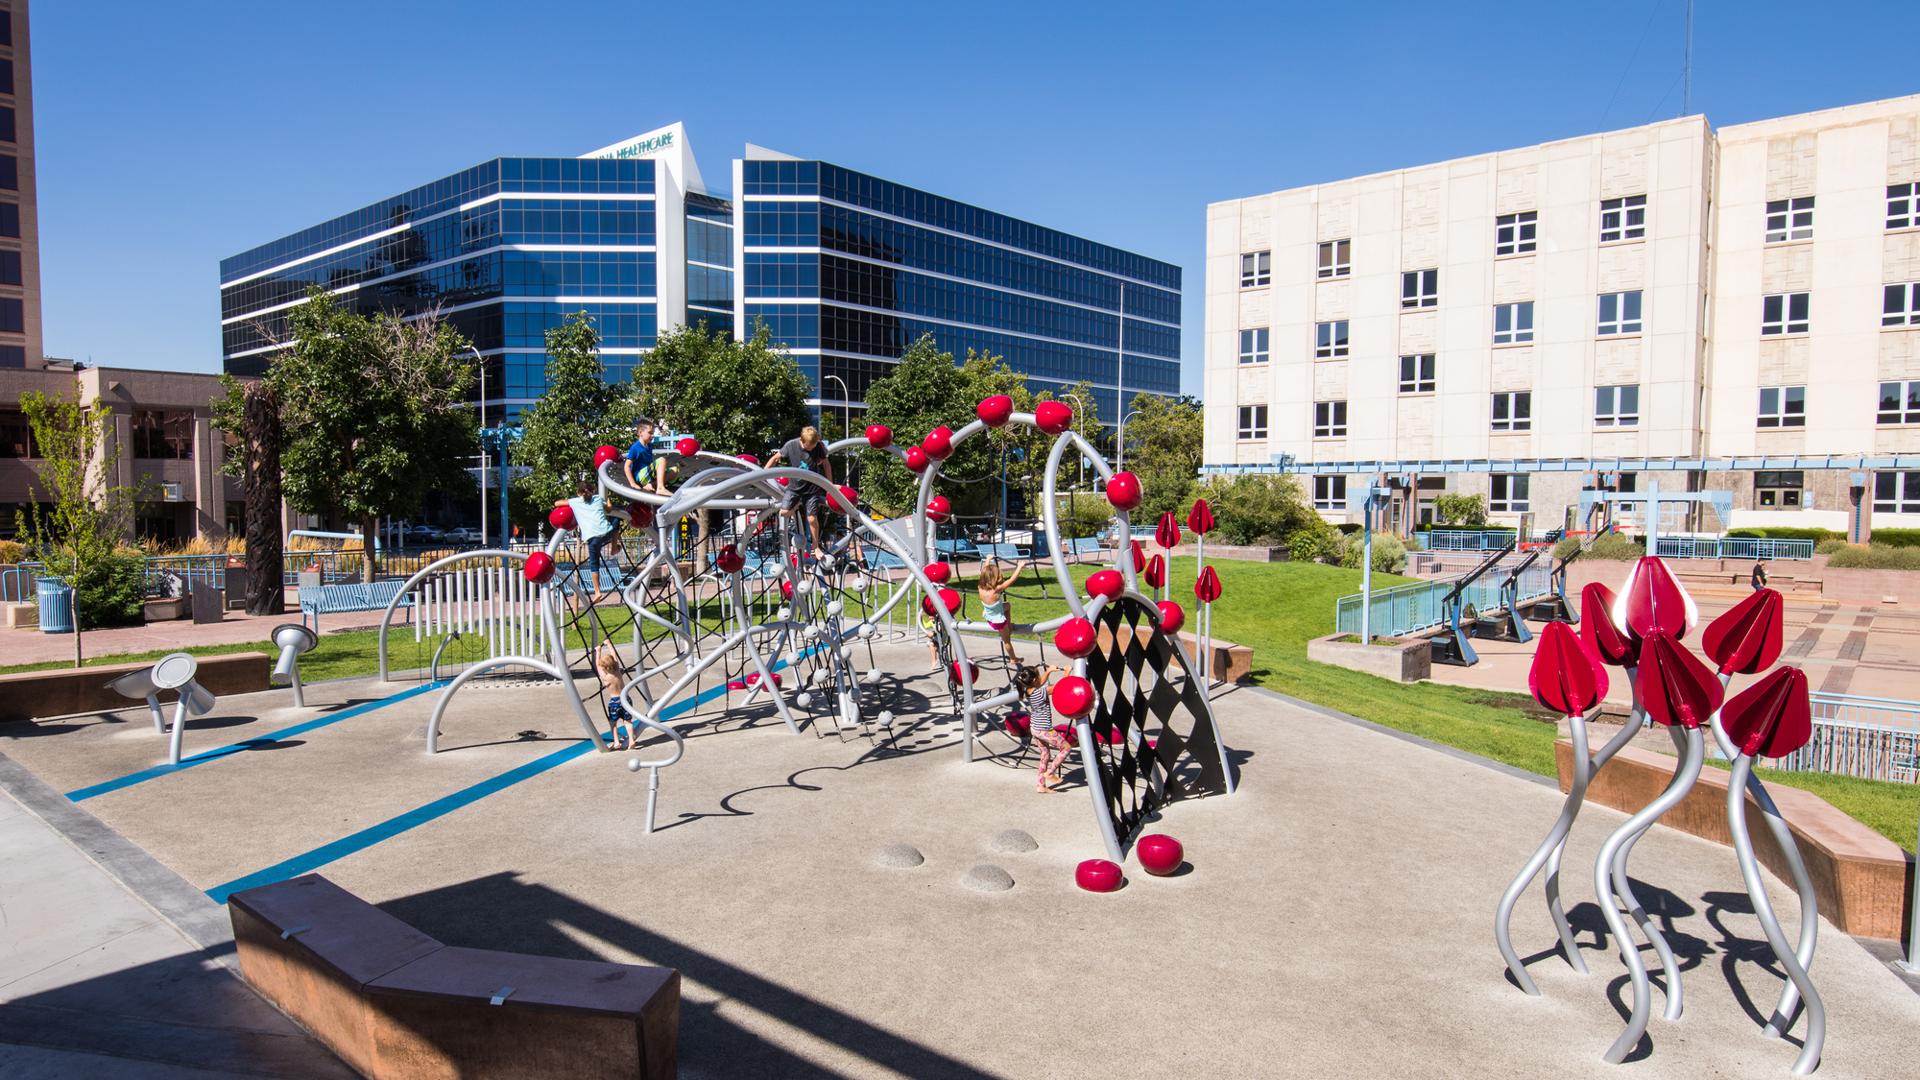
[
  {"x": 994, "y": 411},
  {"x": 1159, "y": 854},
  {"x": 1018, "y": 724},
  {"x": 561, "y": 517},
  {"x": 786, "y": 590},
  {"x": 539, "y": 568},
  {"x": 1075, "y": 638},
  {"x": 1172, "y": 617},
  {"x": 916, "y": 459},
  {"x": 1107, "y": 583},
  {"x": 849, "y": 499},
  {"x": 1052, "y": 417},
  {"x": 950, "y": 600},
  {"x": 604, "y": 454},
  {"x": 879, "y": 436},
  {"x": 938, "y": 443},
  {"x": 729, "y": 560},
  {"x": 939, "y": 573},
  {"x": 751, "y": 459},
  {"x": 1097, "y": 875},
  {"x": 1073, "y": 697},
  {"x": 641, "y": 515},
  {"x": 973, "y": 671},
  {"x": 938, "y": 508},
  {"x": 687, "y": 447},
  {"x": 1124, "y": 492}
]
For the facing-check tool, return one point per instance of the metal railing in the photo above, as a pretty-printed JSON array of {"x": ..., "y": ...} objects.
[
  {"x": 1464, "y": 539},
  {"x": 1408, "y": 609},
  {"x": 1871, "y": 738},
  {"x": 17, "y": 584},
  {"x": 1733, "y": 547}
]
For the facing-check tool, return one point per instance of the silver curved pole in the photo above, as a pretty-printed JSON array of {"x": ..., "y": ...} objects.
[
  {"x": 1623, "y": 888},
  {"x": 1684, "y": 777},
  {"x": 565, "y": 677},
  {"x": 1636, "y": 719},
  {"x": 1809, "y": 1058},
  {"x": 1556, "y": 837},
  {"x": 386, "y": 616}
]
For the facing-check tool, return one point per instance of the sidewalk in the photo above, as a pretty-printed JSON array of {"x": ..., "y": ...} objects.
[
  {"x": 94, "y": 982},
  {"x": 31, "y": 646}
]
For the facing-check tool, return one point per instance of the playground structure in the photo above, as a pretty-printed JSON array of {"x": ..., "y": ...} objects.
[
  {"x": 722, "y": 580},
  {"x": 1641, "y": 631},
  {"x": 175, "y": 672}
]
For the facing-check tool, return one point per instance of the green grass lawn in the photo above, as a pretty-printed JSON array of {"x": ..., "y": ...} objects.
[{"x": 1275, "y": 608}]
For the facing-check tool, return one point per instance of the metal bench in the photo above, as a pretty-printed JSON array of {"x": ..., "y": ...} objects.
[{"x": 365, "y": 596}]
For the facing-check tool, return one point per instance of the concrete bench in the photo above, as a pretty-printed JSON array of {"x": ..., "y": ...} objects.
[
  {"x": 31, "y": 695},
  {"x": 393, "y": 1002},
  {"x": 1859, "y": 875},
  {"x": 366, "y": 596}
]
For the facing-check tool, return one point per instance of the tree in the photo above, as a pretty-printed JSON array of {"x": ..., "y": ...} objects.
[
  {"x": 737, "y": 397},
  {"x": 1163, "y": 449},
  {"x": 251, "y": 414},
  {"x": 77, "y": 515},
  {"x": 374, "y": 413},
  {"x": 1467, "y": 510},
  {"x": 579, "y": 412},
  {"x": 1262, "y": 508}
]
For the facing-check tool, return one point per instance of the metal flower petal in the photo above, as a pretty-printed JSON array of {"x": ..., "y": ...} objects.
[
  {"x": 1771, "y": 718},
  {"x": 1565, "y": 676},
  {"x": 1675, "y": 687},
  {"x": 1747, "y": 638}
]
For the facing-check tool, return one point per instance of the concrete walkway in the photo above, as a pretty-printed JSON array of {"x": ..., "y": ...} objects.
[
  {"x": 94, "y": 981},
  {"x": 31, "y": 646}
]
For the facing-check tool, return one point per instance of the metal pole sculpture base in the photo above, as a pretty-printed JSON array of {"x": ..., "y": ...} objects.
[
  {"x": 1610, "y": 867},
  {"x": 1809, "y": 1058},
  {"x": 1623, "y": 890}
]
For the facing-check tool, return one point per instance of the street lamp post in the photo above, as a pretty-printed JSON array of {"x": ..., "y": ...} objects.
[
  {"x": 1080, "y": 467},
  {"x": 846, "y": 423},
  {"x": 1120, "y": 381},
  {"x": 482, "y": 361},
  {"x": 1120, "y": 442}
]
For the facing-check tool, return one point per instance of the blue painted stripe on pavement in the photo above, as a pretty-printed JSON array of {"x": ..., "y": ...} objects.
[
  {"x": 255, "y": 743},
  {"x": 438, "y": 808}
]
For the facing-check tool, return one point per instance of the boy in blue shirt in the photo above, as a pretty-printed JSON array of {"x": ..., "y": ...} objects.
[{"x": 642, "y": 473}]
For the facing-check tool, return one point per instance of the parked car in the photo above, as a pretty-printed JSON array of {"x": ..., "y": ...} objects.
[
  {"x": 463, "y": 535},
  {"x": 424, "y": 534}
]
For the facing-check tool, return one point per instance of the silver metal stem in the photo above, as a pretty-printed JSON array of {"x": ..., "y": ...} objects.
[
  {"x": 1556, "y": 836},
  {"x": 1809, "y": 1058}
]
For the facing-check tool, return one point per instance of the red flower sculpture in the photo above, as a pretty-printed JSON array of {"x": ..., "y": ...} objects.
[
  {"x": 1675, "y": 687},
  {"x": 1167, "y": 533},
  {"x": 1771, "y": 718},
  {"x": 1748, "y": 637},
  {"x": 1654, "y": 602},
  {"x": 1206, "y": 588},
  {"x": 1156, "y": 572},
  {"x": 1200, "y": 518},
  {"x": 1599, "y": 631},
  {"x": 1565, "y": 676}
]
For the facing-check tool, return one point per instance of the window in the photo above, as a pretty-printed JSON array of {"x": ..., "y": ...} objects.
[
  {"x": 9, "y": 219},
  {"x": 13, "y": 316},
  {"x": 1899, "y": 403},
  {"x": 13, "y": 356},
  {"x": 1416, "y": 374},
  {"x": 9, "y": 130},
  {"x": 1896, "y": 492},
  {"x": 6, "y": 76},
  {"x": 1616, "y": 406},
  {"x": 1509, "y": 493},
  {"x": 1513, "y": 233},
  {"x": 1419, "y": 288},
  {"x": 1784, "y": 313},
  {"x": 1513, "y": 411},
  {"x": 1903, "y": 206},
  {"x": 1336, "y": 258},
  {"x": 1902, "y": 305},
  {"x": 1329, "y": 493},
  {"x": 1329, "y": 339},
  {"x": 1329, "y": 419},
  {"x": 9, "y": 268},
  {"x": 1790, "y": 219},
  {"x": 16, "y": 436},
  {"x": 1253, "y": 421},
  {"x": 167, "y": 434},
  {"x": 9, "y": 172},
  {"x": 1513, "y": 323},
  {"x": 1619, "y": 313},
  {"x": 1253, "y": 345},
  {"x": 1624, "y": 218},
  {"x": 1783, "y": 406},
  {"x": 1256, "y": 269},
  {"x": 1780, "y": 490}
]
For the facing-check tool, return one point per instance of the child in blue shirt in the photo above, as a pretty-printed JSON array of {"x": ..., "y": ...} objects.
[
  {"x": 602, "y": 536},
  {"x": 642, "y": 473}
]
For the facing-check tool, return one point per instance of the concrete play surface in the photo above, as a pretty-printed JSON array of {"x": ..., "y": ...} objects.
[{"x": 1335, "y": 919}]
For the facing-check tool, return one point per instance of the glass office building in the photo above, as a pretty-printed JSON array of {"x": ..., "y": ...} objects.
[{"x": 845, "y": 270}]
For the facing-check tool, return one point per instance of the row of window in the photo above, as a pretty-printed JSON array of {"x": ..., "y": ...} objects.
[
  {"x": 1624, "y": 218},
  {"x": 1893, "y": 492},
  {"x": 166, "y": 434}
]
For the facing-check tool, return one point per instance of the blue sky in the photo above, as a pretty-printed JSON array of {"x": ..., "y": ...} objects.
[{"x": 170, "y": 136}]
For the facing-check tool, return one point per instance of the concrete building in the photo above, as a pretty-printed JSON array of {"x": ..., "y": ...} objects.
[
  {"x": 1712, "y": 310},
  {"x": 20, "y": 335}
]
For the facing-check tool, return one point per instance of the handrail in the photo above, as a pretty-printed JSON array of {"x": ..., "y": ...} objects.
[{"x": 1474, "y": 574}]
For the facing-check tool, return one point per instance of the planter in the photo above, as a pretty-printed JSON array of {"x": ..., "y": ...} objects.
[
  {"x": 1405, "y": 661},
  {"x": 166, "y": 609}
]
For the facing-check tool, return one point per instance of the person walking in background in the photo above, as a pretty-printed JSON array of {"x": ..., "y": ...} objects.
[{"x": 1759, "y": 574}]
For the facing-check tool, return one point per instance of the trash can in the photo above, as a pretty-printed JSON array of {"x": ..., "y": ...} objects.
[
  {"x": 236, "y": 582},
  {"x": 56, "y": 606}
]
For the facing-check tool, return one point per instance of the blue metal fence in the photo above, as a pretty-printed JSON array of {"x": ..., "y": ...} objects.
[
  {"x": 1872, "y": 738},
  {"x": 1409, "y": 609},
  {"x": 1733, "y": 547},
  {"x": 1464, "y": 539}
]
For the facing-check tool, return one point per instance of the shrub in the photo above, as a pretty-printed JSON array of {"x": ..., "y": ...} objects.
[
  {"x": 1083, "y": 516},
  {"x": 1314, "y": 541},
  {"x": 12, "y": 552},
  {"x": 1613, "y": 545},
  {"x": 1786, "y": 532},
  {"x": 1463, "y": 510},
  {"x": 112, "y": 590},
  {"x": 1828, "y": 546},
  {"x": 1389, "y": 554},
  {"x": 1259, "y": 508},
  {"x": 1875, "y": 557},
  {"x": 1898, "y": 538}
]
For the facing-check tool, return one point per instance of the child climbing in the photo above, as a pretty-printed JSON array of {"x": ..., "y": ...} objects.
[
  {"x": 993, "y": 585},
  {"x": 623, "y": 734},
  {"x": 1031, "y": 680},
  {"x": 602, "y": 536}
]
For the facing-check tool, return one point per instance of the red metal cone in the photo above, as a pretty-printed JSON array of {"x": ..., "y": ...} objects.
[
  {"x": 1139, "y": 556},
  {"x": 1771, "y": 718},
  {"x": 1748, "y": 637},
  {"x": 1156, "y": 573},
  {"x": 1167, "y": 533},
  {"x": 1565, "y": 677},
  {"x": 1654, "y": 602},
  {"x": 1675, "y": 687},
  {"x": 1206, "y": 588},
  {"x": 1200, "y": 518},
  {"x": 1598, "y": 631}
]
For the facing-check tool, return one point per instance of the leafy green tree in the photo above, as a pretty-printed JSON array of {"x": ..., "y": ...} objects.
[
  {"x": 1261, "y": 508},
  {"x": 579, "y": 412},
  {"x": 76, "y": 517},
  {"x": 1467, "y": 510},
  {"x": 1163, "y": 449},
  {"x": 736, "y": 397},
  {"x": 374, "y": 412}
]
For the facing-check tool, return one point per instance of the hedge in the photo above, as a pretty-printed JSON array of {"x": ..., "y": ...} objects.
[
  {"x": 1788, "y": 532},
  {"x": 1876, "y": 557},
  {"x": 1897, "y": 538}
]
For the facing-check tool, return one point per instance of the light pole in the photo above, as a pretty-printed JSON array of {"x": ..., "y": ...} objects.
[
  {"x": 482, "y": 361},
  {"x": 1120, "y": 443},
  {"x": 1079, "y": 409},
  {"x": 1120, "y": 381},
  {"x": 846, "y": 423}
]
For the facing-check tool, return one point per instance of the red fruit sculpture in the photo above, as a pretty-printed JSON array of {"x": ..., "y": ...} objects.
[
  {"x": 1075, "y": 638},
  {"x": 1603, "y": 638},
  {"x": 687, "y": 447},
  {"x": 916, "y": 459},
  {"x": 994, "y": 411},
  {"x": 1771, "y": 718},
  {"x": 1159, "y": 854},
  {"x": 1206, "y": 587},
  {"x": 1747, "y": 638},
  {"x": 1167, "y": 532},
  {"x": 561, "y": 517},
  {"x": 938, "y": 443},
  {"x": 539, "y": 568},
  {"x": 1124, "y": 491},
  {"x": 1675, "y": 687},
  {"x": 1172, "y": 617},
  {"x": 1052, "y": 417},
  {"x": 1097, "y": 875},
  {"x": 879, "y": 436},
  {"x": 1200, "y": 518},
  {"x": 1107, "y": 583},
  {"x": 1565, "y": 677},
  {"x": 1073, "y": 697},
  {"x": 603, "y": 454},
  {"x": 939, "y": 509}
]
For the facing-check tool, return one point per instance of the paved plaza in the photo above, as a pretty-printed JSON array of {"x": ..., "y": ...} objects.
[{"x": 1336, "y": 918}]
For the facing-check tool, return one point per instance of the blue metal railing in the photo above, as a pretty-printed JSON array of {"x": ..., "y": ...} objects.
[
  {"x": 17, "y": 584},
  {"x": 1464, "y": 539},
  {"x": 1868, "y": 737},
  {"x": 1733, "y": 547},
  {"x": 1409, "y": 609}
]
